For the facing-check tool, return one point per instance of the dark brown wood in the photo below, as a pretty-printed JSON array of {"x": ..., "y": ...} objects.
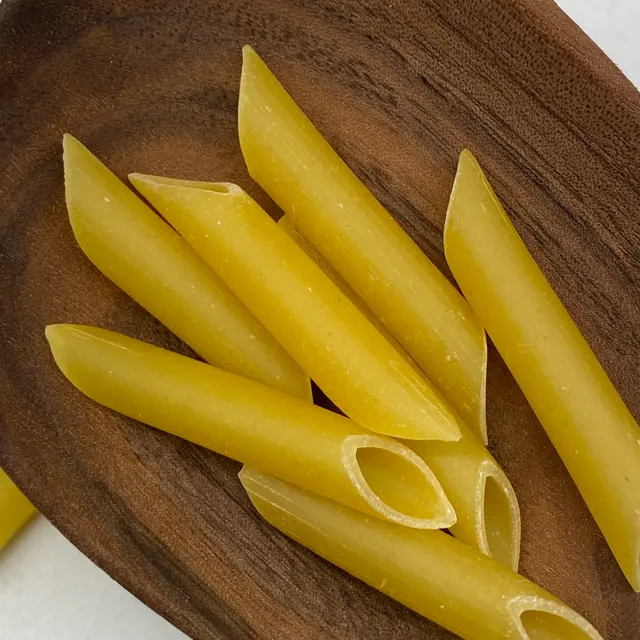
[{"x": 399, "y": 88}]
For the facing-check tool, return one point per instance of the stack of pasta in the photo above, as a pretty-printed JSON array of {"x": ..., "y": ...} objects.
[{"x": 339, "y": 293}]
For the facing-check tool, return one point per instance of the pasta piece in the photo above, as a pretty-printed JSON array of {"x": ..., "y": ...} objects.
[
  {"x": 15, "y": 510},
  {"x": 326, "y": 202},
  {"x": 428, "y": 571},
  {"x": 249, "y": 422},
  {"x": 333, "y": 342},
  {"x": 285, "y": 224},
  {"x": 585, "y": 418},
  {"x": 148, "y": 260},
  {"x": 484, "y": 500},
  {"x": 486, "y": 506}
]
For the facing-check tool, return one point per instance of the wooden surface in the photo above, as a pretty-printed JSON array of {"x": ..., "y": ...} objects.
[{"x": 399, "y": 88}]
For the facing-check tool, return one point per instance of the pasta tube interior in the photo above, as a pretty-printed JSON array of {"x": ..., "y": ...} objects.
[
  {"x": 138, "y": 251},
  {"x": 569, "y": 391},
  {"x": 272, "y": 431},
  {"x": 342, "y": 351},
  {"x": 488, "y": 514},
  {"x": 294, "y": 164},
  {"x": 428, "y": 571}
]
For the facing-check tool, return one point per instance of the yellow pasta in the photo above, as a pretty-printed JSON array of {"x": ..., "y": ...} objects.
[
  {"x": 15, "y": 510},
  {"x": 486, "y": 506},
  {"x": 252, "y": 423},
  {"x": 333, "y": 342},
  {"x": 148, "y": 260},
  {"x": 285, "y": 224},
  {"x": 428, "y": 571},
  {"x": 488, "y": 515},
  {"x": 585, "y": 418},
  {"x": 294, "y": 164}
]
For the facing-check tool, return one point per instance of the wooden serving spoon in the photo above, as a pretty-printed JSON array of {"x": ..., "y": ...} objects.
[{"x": 398, "y": 87}]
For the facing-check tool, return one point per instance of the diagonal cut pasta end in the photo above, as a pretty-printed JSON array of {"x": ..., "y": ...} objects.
[
  {"x": 143, "y": 181},
  {"x": 57, "y": 337},
  {"x": 256, "y": 83},
  {"x": 255, "y": 74},
  {"x": 499, "y": 516},
  {"x": 249, "y": 57},
  {"x": 186, "y": 204},
  {"x": 480, "y": 425},
  {"x": 91, "y": 189},
  {"x": 633, "y": 575},
  {"x": 467, "y": 167},
  {"x": 70, "y": 145},
  {"x": 87, "y": 185},
  {"x": 72, "y": 150},
  {"x": 396, "y": 483},
  {"x": 488, "y": 515},
  {"x": 538, "y": 618},
  {"x": 264, "y": 102}
]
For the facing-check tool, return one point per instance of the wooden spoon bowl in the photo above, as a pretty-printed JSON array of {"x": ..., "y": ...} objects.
[{"x": 399, "y": 88}]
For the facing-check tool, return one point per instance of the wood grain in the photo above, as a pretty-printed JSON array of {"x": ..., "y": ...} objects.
[{"x": 399, "y": 87}]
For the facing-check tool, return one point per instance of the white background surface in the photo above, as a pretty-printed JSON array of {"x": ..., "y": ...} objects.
[{"x": 50, "y": 591}]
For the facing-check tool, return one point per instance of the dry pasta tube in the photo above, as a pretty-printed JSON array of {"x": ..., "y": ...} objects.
[
  {"x": 249, "y": 422},
  {"x": 296, "y": 166},
  {"x": 569, "y": 391},
  {"x": 430, "y": 572}
]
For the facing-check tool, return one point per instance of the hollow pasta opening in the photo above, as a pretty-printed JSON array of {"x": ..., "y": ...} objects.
[
  {"x": 543, "y": 625},
  {"x": 218, "y": 187},
  {"x": 161, "y": 181},
  {"x": 501, "y": 521},
  {"x": 396, "y": 483},
  {"x": 545, "y": 618}
]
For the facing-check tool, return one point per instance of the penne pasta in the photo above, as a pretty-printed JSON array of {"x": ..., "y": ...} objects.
[
  {"x": 146, "y": 258},
  {"x": 15, "y": 510},
  {"x": 252, "y": 423},
  {"x": 487, "y": 510},
  {"x": 585, "y": 418},
  {"x": 428, "y": 571},
  {"x": 285, "y": 224},
  {"x": 326, "y": 202},
  {"x": 486, "y": 506},
  {"x": 331, "y": 340}
]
